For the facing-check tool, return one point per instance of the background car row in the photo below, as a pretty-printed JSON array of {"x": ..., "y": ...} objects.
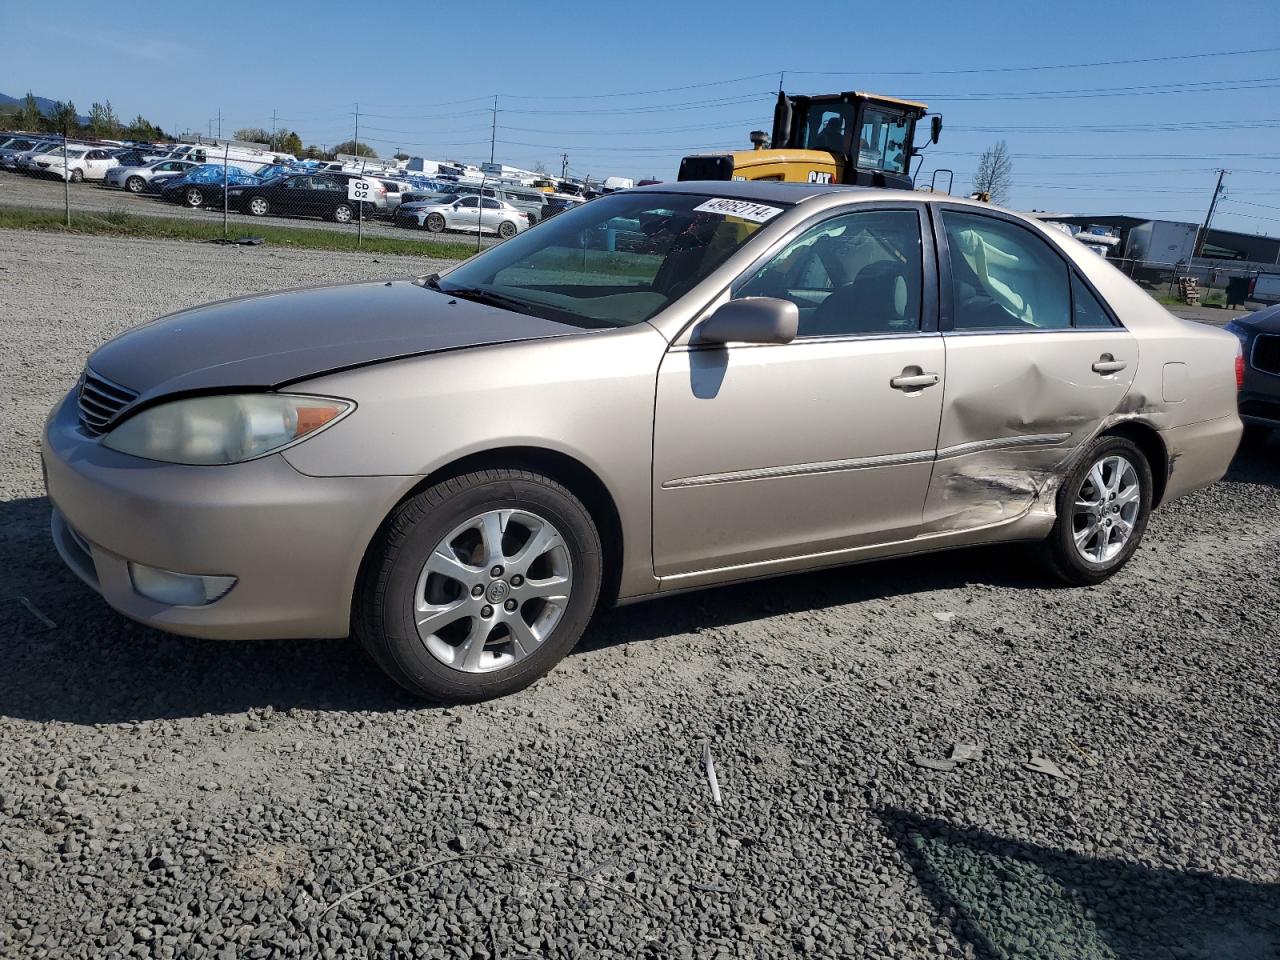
[{"x": 293, "y": 189}]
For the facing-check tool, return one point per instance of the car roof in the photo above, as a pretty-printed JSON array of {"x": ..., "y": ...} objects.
[{"x": 754, "y": 189}]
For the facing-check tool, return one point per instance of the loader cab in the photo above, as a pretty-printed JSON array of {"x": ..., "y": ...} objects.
[{"x": 871, "y": 136}]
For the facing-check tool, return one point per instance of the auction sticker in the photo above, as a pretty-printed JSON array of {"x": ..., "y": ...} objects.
[{"x": 745, "y": 209}]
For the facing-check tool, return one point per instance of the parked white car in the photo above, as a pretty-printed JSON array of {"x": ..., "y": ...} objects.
[
  {"x": 464, "y": 214},
  {"x": 22, "y": 160},
  {"x": 75, "y": 163},
  {"x": 138, "y": 179}
]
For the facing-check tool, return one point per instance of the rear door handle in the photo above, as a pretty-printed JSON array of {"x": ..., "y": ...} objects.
[
  {"x": 913, "y": 381},
  {"x": 1106, "y": 364}
]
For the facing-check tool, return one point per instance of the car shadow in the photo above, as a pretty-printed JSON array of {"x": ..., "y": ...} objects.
[
  {"x": 1010, "y": 899},
  {"x": 1257, "y": 464},
  {"x": 96, "y": 666}
]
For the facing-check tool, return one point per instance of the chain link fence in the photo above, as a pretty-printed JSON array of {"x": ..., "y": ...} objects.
[{"x": 238, "y": 193}]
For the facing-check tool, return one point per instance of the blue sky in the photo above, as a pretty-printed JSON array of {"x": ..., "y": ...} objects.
[{"x": 424, "y": 77}]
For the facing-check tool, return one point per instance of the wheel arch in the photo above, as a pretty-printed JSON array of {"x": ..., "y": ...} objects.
[
  {"x": 1147, "y": 439},
  {"x": 579, "y": 478}
]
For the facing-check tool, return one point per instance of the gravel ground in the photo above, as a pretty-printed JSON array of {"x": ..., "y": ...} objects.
[
  {"x": 19, "y": 190},
  {"x": 164, "y": 797}
]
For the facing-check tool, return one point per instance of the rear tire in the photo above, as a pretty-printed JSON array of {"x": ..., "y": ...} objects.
[
  {"x": 1107, "y": 494},
  {"x": 507, "y": 230},
  {"x": 77, "y": 176},
  {"x": 399, "y": 589},
  {"x": 343, "y": 213}
]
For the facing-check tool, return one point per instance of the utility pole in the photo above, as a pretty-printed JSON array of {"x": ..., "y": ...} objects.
[
  {"x": 219, "y": 123},
  {"x": 564, "y": 166},
  {"x": 781, "y": 75},
  {"x": 273, "y": 128},
  {"x": 356, "y": 148},
  {"x": 1198, "y": 249},
  {"x": 493, "y": 131}
]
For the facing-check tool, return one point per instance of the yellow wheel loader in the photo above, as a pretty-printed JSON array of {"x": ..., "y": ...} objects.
[{"x": 855, "y": 138}]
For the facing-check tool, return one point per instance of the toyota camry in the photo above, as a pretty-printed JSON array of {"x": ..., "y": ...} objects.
[{"x": 667, "y": 388}]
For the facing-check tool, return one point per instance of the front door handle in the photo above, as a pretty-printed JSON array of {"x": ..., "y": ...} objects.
[
  {"x": 1107, "y": 364},
  {"x": 913, "y": 381}
]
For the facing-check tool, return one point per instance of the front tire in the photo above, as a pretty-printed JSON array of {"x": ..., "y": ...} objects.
[
  {"x": 435, "y": 223},
  {"x": 77, "y": 176},
  {"x": 259, "y": 207},
  {"x": 1103, "y": 508},
  {"x": 193, "y": 196},
  {"x": 479, "y": 585},
  {"x": 136, "y": 185}
]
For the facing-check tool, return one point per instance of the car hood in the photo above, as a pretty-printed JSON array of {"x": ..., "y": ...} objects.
[{"x": 273, "y": 339}]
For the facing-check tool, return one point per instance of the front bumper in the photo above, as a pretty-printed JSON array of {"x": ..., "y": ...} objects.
[{"x": 294, "y": 542}]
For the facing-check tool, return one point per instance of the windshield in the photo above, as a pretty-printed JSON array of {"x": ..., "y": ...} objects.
[{"x": 613, "y": 262}]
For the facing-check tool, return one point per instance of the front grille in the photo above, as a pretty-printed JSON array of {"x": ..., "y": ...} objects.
[
  {"x": 1266, "y": 353},
  {"x": 100, "y": 401},
  {"x": 704, "y": 167}
]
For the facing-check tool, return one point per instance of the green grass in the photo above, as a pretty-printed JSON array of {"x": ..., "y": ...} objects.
[{"x": 119, "y": 223}]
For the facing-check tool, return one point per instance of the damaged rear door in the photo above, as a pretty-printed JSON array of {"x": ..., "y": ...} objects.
[{"x": 1035, "y": 361}]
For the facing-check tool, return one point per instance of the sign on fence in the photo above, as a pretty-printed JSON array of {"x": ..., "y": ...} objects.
[{"x": 359, "y": 190}]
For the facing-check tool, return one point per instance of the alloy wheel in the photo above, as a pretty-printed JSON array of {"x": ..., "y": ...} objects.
[
  {"x": 258, "y": 207},
  {"x": 492, "y": 590},
  {"x": 1106, "y": 508},
  {"x": 342, "y": 214},
  {"x": 194, "y": 197}
]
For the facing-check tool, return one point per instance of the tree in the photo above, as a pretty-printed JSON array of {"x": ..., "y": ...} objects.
[
  {"x": 103, "y": 122},
  {"x": 401, "y": 155},
  {"x": 352, "y": 148},
  {"x": 287, "y": 141},
  {"x": 140, "y": 128},
  {"x": 540, "y": 169},
  {"x": 312, "y": 152},
  {"x": 995, "y": 173},
  {"x": 29, "y": 118},
  {"x": 253, "y": 135},
  {"x": 63, "y": 119}
]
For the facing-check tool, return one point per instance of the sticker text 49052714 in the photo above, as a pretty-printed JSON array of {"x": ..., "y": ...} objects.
[{"x": 744, "y": 209}]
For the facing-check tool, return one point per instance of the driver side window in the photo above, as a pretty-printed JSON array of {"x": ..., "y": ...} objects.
[{"x": 859, "y": 273}]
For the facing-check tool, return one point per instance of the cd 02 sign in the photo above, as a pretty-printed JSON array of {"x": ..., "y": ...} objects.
[{"x": 359, "y": 190}]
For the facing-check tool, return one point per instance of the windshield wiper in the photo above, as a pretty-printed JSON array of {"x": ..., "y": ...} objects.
[{"x": 480, "y": 295}]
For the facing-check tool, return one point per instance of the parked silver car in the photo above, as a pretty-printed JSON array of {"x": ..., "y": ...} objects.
[
  {"x": 466, "y": 213},
  {"x": 138, "y": 179},
  {"x": 666, "y": 388}
]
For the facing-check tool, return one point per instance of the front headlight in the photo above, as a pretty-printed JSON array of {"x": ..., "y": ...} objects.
[{"x": 225, "y": 429}]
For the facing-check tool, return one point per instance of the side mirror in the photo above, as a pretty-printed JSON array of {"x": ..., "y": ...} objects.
[
  {"x": 751, "y": 320},
  {"x": 935, "y": 128}
]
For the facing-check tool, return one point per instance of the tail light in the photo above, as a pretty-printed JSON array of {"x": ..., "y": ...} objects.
[{"x": 1239, "y": 368}]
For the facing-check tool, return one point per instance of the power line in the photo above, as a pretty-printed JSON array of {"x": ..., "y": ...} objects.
[{"x": 1037, "y": 67}]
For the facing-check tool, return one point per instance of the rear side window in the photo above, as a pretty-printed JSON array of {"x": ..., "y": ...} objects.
[
  {"x": 1086, "y": 311},
  {"x": 1004, "y": 277}
]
